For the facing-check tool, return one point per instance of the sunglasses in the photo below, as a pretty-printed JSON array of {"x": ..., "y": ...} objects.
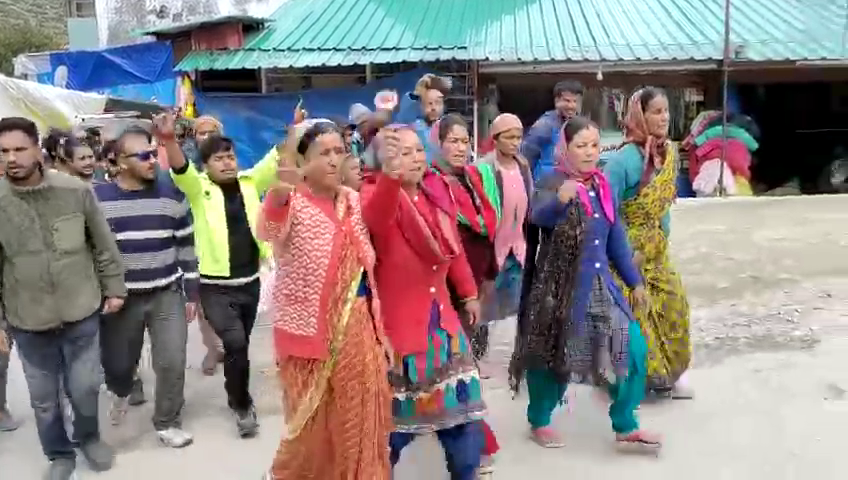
[{"x": 145, "y": 156}]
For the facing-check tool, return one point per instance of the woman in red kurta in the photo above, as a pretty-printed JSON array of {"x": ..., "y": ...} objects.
[
  {"x": 331, "y": 350},
  {"x": 412, "y": 219},
  {"x": 477, "y": 221}
]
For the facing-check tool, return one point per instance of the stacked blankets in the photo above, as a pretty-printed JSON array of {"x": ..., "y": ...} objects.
[{"x": 705, "y": 145}]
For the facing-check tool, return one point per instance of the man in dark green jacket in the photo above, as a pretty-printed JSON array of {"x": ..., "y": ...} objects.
[
  {"x": 60, "y": 269},
  {"x": 8, "y": 423}
]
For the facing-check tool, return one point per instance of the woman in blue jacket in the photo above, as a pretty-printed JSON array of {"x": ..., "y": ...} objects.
[{"x": 576, "y": 325}]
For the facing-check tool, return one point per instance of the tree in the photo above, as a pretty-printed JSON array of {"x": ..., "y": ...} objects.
[{"x": 23, "y": 38}]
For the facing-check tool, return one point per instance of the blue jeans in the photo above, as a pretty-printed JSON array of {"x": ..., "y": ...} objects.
[
  {"x": 4, "y": 375},
  {"x": 69, "y": 356},
  {"x": 463, "y": 445}
]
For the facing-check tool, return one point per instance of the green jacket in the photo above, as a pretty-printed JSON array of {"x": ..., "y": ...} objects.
[
  {"x": 211, "y": 241},
  {"x": 58, "y": 256}
]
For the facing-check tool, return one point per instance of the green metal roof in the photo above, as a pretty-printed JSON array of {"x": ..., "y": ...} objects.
[{"x": 312, "y": 33}]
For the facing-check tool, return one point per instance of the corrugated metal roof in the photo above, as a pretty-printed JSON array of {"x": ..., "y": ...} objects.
[{"x": 311, "y": 33}]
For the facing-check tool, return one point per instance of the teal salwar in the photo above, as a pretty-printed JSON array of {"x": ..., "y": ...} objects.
[{"x": 547, "y": 392}]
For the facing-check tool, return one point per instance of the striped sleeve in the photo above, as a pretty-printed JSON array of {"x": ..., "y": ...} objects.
[{"x": 184, "y": 239}]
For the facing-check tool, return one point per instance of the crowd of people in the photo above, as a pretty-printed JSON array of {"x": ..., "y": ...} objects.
[{"x": 393, "y": 251}]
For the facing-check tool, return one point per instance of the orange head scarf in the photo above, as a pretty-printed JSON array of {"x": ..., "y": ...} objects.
[{"x": 636, "y": 132}]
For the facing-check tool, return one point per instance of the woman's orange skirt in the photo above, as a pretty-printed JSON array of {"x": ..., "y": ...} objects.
[{"x": 347, "y": 437}]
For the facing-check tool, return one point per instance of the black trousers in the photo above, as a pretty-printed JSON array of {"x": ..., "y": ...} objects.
[{"x": 231, "y": 311}]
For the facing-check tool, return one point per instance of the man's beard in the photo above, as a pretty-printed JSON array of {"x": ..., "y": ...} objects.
[
  {"x": 22, "y": 177},
  {"x": 131, "y": 176}
]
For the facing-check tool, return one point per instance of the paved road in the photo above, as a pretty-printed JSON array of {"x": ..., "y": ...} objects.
[{"x": 770, "y": 322}]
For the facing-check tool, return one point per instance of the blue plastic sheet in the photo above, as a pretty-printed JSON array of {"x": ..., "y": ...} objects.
[
  {"x": 256, "y": 122},
  {"x": 143, "y": 72}
]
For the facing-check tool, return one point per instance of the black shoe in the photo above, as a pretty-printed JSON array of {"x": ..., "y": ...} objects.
[
  {"x": 136, "y": 397},
  {"x": 99, "y": 455},
  {"x": 61, "y": 469},
  {"x": 247, "y": 423}
]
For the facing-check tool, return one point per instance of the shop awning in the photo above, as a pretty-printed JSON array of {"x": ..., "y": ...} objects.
[{"x": 316, "y": 33}]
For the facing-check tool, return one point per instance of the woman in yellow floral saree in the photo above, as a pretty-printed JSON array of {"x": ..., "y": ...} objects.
[
  {"x": 331, "y": 350},
  {"x": 642, "y": 175}
]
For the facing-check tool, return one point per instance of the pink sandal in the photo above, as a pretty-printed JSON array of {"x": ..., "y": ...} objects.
[
  {"x": 639, "y": 438},
  {"x": 546, "y": 437}
]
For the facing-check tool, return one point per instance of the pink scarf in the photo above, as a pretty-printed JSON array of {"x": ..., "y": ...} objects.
[{"x": 595, "y": 177}]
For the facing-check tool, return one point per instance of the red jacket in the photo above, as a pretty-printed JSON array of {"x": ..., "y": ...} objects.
[{"x": 418, "y": 248}]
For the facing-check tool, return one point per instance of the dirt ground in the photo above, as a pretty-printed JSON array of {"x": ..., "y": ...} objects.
[{"x": 767, "y": 280}]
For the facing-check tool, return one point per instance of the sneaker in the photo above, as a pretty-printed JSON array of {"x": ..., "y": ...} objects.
[
  {"x": 136, "y": 397},
  {"x": 61, "y": 469},
  {"x": 247, "y": 423},
  {"x": 175, "y": 438},
  {"x": 8, "y": 423},
  {"x": 487, "y": 465},
  {"x": 99, "y": 455},
  {"x": 118, "y": 410}
]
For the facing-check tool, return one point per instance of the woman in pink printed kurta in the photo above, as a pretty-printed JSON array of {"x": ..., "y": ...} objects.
[{"x": 331, "y": 350}]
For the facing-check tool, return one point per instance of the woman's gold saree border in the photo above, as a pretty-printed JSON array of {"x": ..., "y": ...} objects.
[{"x": 319, "y": 387}]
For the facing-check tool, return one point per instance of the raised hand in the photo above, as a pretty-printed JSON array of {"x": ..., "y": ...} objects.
[
  {"x": 386, "y": 100},
  {"x": 164, "y": 126},
  {"x": 388, "y": 153},
  {"x": 288, "y": 176},
  {"x": 299, "y": 113}
]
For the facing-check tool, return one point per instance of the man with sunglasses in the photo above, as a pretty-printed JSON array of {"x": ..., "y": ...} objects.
[{"x": 153, "y": 227}]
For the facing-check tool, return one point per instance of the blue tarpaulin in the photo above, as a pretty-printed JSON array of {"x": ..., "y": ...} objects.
[
  {"x": 143, "y": 72},
  {"x": 256, "y": 122}
]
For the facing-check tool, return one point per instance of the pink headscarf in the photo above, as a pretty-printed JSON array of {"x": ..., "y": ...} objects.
[
  {"x": 504, "y": 122},
  {"x": 596, "y": 177}
]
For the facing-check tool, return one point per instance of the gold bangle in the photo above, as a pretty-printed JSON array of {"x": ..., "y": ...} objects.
[{"x": 469, "y": 299}]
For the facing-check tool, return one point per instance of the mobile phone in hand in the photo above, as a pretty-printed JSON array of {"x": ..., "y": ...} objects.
[{"x": 299, "y": 112}]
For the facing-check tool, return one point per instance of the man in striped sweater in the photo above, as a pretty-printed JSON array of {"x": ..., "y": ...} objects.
[{"x": 153, "y": 228}]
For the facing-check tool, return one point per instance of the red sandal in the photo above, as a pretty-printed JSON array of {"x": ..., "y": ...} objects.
[
  {"x": 639, "y": 438},
  {"x": 546, "y": 437}
]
